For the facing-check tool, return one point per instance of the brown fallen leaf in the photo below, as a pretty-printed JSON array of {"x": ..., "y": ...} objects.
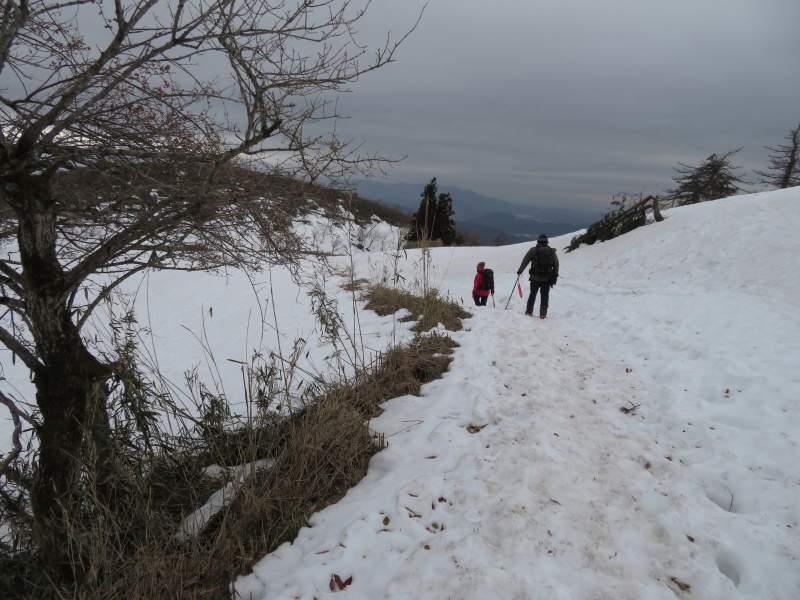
[
  {"x": 685, "y": 587},
  {"x": 336, "y": 582}
]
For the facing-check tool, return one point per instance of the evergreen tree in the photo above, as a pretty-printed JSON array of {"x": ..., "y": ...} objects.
[
  {"x": 629, "y": 213},
  {"x": 421, "y": 225},
  {"x": 434, "y": 218},
  {"x": 713, "y": 179},
  {"x": 444, "y": 227},
  {"x": 784, "y": 164}
]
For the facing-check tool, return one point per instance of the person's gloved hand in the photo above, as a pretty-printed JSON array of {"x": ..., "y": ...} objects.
[
  {"x": 519, "y": 272},
  {"x": 553, "y": 280}
]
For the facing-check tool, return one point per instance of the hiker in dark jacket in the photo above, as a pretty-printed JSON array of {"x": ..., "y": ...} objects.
[
  {"x": 544, "y": 274},
  {"x": 481, "y": 295}
]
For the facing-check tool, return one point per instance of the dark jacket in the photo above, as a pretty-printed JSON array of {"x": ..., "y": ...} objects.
[{"x": 529, "y": 258}]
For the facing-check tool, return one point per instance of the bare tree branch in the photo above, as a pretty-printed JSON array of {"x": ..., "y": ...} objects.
[
  {"x": 17, "y": 416},
  {"x": 14, "y": 344},
  {"x": 125, "y": 152}
]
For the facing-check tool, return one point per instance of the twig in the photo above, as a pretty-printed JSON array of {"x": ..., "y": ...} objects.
[
  {"x": 17, "y": 416},
  {"x": 627, "y": 410}
]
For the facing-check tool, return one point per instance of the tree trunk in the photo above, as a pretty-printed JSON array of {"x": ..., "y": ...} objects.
[
  {"x": 67, "y": 376},
  {"x": 656, "y": 211},
  {"x": 64, "y": 389},
  {"x": 791, "y": 161}
]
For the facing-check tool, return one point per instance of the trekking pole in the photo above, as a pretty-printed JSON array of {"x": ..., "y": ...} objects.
[
  {"x": 512, "y": 293},
  {"x": 493, "y": 304}
]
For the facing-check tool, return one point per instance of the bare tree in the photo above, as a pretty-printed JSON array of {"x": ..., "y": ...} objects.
[
  {"x": 784, "y": 164},
  {"x": 120, "y": 153}
]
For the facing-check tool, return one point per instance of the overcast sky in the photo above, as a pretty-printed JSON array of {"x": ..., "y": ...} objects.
[{"x": 560, "y": 102}]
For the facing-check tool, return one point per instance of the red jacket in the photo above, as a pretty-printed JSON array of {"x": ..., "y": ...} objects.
[{"x": 476, "y": 284}]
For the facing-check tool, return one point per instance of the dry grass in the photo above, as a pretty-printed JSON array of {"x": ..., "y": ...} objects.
[
  {"x": 356, "y": 285},
  {"x": 319, "y": 452},
  {"x": 428, "y": 310}
]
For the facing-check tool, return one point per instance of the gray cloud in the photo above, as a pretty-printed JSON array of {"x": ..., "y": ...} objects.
[{"x": 568, "y": 101}]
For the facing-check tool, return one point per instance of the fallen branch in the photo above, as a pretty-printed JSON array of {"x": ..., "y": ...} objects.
[
  {"x": 627, "y": 410},
  {"x": 196, "y": 522}
]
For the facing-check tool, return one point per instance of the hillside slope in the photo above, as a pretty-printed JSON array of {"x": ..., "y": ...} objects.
[{"x": 519, "y": 475}]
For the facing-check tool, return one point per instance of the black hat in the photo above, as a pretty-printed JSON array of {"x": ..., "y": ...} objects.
[{"x": 543, "y": 238}]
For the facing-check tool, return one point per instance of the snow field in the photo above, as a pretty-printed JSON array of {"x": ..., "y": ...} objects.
[
  {"x": 517, "y": 475},
  {"x": 534, "y": 498},
  {"x": 560, "y": 494}
]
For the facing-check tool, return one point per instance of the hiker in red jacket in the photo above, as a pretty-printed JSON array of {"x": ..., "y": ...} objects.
[{"x": 483, "y": 285}]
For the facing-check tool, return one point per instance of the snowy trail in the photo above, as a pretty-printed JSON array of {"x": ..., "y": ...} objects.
[
  {"x": 550, "y": 411},
  {"x": 483, "y": 483}
]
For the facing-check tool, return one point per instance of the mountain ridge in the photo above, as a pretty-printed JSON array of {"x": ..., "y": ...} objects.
[
  {"x": 492, "y": 220},
  {"x": 469, "y": 204}
]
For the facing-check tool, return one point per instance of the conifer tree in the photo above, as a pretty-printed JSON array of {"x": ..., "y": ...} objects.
[
  {"x": 712, "y": 179},
  {"x": 784, "y": 163},
  {"x": 421, "y": 224},
  {"x": 444, "y": 227},
  {"x": 434, "y": 218},
  {"x": 629, "y": 213}
]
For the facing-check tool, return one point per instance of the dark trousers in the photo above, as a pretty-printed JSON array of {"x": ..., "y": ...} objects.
[
  {"x": 480, "y": 300},
  {"x": 544, "y": 287}
]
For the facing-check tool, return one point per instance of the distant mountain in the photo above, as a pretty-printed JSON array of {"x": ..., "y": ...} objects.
[
  {"x": 523, "y": 224},
  {"x": 485, "y": 216}
]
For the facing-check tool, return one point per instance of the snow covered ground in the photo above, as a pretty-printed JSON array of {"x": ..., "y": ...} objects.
[
  {"x": 517, "y": 475},
  {"x": 212, "y": 326}
]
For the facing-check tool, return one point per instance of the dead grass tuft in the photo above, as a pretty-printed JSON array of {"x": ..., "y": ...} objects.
[
  {"x": 428, "y": 310},
  {"x": 356, "y": 285}
]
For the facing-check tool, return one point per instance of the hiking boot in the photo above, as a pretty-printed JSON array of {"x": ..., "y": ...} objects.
[
  {"x": 542, "y": 316},
  {"x": 528, "y": 314}
]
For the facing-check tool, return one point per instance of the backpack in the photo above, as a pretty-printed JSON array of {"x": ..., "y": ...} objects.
[
  {"x": 542, "y": 261},
  {"x": 487, "y": 280}
]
